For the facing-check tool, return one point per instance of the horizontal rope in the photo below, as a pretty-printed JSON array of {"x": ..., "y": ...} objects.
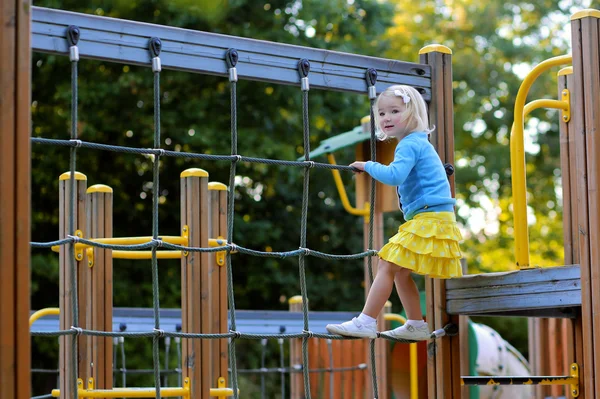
[
  {"x": 178, "y": 154},
  {"x": 227, "y": 248},
  {"x": 233, "y": 334}
]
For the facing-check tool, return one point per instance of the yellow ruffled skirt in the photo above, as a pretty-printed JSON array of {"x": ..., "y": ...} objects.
[{"x": 428, "y": 244}]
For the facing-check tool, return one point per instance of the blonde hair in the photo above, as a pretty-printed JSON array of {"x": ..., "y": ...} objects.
[{"x": 415, "y": 113}]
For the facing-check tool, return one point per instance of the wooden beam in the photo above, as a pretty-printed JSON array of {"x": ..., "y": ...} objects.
[
  {"x": 217, "y": 271},
  {"x": 586, "y": 79},
  {"x": 194, "y": 215},
  {"x": 100, "y": 225},
  {"x": 66, "y": 278},
  {"x": 443, "y": 355},
  {"x": 15, "y": 171}
]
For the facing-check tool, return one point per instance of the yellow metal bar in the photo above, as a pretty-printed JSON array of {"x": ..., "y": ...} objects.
[
  {"x": 42, "y": 313},
  {"x": 537, "y": 104},
  {"x": 414, "y": 366},
  {"x": 146, "y": 254},
  {"x": 517, "y": 156},
  {"x": 128, "y": 392},
  {"x": 342, "y": 190},
  {"x": 176, "y": 240}
]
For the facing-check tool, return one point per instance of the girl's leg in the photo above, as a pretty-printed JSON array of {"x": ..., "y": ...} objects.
[
  {"x": 381, "y": 289},
  {"x": 409, "y": 294}
]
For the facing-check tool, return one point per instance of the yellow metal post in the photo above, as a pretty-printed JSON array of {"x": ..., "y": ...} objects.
[
  {"x": 517, "y": 156},
  {"x": 414, "y": 366}
]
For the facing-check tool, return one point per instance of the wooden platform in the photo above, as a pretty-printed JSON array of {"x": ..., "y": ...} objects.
[{"x": 542, "y": 292}]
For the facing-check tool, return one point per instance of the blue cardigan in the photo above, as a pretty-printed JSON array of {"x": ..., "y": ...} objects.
[{"x": 419, "y": 175}]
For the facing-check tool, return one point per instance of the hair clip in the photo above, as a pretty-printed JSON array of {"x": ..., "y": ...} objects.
[{"x": 405, "y": 97}]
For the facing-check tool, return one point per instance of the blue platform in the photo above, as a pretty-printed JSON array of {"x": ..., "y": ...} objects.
[{"x": 247, "y": 321}]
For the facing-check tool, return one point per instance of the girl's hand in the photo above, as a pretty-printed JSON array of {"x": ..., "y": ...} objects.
[{"x": 358, "y": 165}]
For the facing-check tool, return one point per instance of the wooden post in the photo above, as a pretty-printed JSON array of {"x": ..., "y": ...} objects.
[
  {"x": 443, "y": 355},
  {"x": 463, "y": 337},
  {"x": 15, "y": 193},
  {"x": 66, "y": 279},
  {"x": 586, "y": 125},
  {"x": 100, "y": 225},
  {"x": 296, "y": 379},
  {"x": 363, "y": 190},
  {"x": 571, "y": 330},
  {"x": 195, "y": 306},
  {"x": 217, "y": 271}
]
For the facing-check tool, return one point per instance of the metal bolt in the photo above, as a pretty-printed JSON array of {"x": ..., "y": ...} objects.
[
  {"x": 79, "y": 256},
  {"x": 564, "y": 117},
  {"x": 573, "y": 367},
  {"x": 89, "y": 262},
  {"x": 574, "y": 392},
  {"x": 79, "y": 234}
]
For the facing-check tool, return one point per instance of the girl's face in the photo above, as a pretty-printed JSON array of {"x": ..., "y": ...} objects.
[{"x": 391, "y": 116}]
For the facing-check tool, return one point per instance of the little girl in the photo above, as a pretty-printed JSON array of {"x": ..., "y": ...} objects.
[{"x": 428, "y": 243}]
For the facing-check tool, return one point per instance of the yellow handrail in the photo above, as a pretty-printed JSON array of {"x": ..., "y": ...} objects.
[
  {"x": 517, "y": 160},
  {"x": 343, "y": 196},
  {"x": 42, "y": 313},
  {"x": 414, "y": 369},
  {"x": 90, "y": 392}
]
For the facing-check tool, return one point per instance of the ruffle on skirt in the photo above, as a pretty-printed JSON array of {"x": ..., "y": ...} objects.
[{"x": 428, "y": 244}]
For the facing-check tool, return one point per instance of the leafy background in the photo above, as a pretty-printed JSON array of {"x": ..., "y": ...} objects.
[{"x": 494, "y": 44}]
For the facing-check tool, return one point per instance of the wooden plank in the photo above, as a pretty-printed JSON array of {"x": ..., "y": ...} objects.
[
  {"x": 578, "y": 110},
  {"x": 100, "y": 225},
  {"x": 8, "y": 239},
  {"x": 15, "y": 177},
  {"x": 213, "y": 289},
  {"x": 108, "y": 293},
  {"x": 201, "y": 52},
  {"x": 449, "y": 116},
  {"x": 539, "y": 288},
  {"x": 546, "y": 300},
  {"x": 446, "y": 353},
  {"x": 22, "y": 194},
  {"x": 526, "y": 276},
  {"x": 196, "y": 308},
  {"x": 205, "y": 289},
  {"x": 184, "y": 278}
]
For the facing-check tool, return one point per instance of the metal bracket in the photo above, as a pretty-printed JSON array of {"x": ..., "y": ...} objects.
[
  {"x": 185, "y": 233},
  {"x": 566, "y": 98},
  {"x": 220, "y": 256},
  {"x": 90, "y": 256},
  {"x": 575, "y": 374},
  {"x": 78, "y": 251}
]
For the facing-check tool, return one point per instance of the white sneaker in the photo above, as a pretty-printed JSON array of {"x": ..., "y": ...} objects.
[
  {"x": 354, "y": 328},
  {"x": 410, "y": 333}
]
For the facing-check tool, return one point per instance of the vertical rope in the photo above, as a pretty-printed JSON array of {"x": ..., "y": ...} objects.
[
  {"x": 155, "y": 47},
  {"x": 371, "y": 76},
  {"x": 304, "y": 69},
  {"x": 73, "y": 38},
  {"x": 231, "y": 57}
]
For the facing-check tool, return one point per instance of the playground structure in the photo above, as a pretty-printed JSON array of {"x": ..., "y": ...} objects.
[{"x": 566, "y": 293}]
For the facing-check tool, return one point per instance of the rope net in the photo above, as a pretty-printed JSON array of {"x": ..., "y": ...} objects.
[{"x": 234, "y": 158}]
